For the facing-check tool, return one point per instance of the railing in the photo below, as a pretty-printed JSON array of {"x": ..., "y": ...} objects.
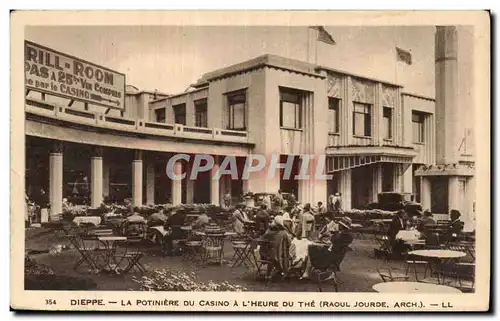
[{"x": 52, "y": 110}]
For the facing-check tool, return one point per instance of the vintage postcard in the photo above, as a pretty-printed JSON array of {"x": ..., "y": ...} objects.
[{"x": 250, "y": 161}]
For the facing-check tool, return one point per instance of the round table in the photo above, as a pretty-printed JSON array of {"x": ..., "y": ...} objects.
[
  {"x": 438, "y": 254},
  {"x": 440, "y": 259},
  {"x": 413, "y": 287}
]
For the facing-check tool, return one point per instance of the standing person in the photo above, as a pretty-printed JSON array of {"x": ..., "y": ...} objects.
[
  {"x": 239, "y": 218},
  {"x": 305, "y": 222},
  {"x": 456, "y": 226},
  {"x": 330, "y": 202},
  {"x": 337, "y": 203},
  {"x": 227, "y": 199},
  {"x": 292, "y": 201},
  {"x": 278, "y": 200}
]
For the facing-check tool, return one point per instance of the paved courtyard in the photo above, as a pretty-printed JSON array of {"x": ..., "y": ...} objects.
[{"x": 358, "y": 271}]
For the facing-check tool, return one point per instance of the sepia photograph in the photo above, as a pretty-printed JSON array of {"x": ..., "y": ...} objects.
[{"x": 291, "y": 159}]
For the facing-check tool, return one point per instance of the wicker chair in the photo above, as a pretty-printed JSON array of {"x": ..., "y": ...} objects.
[{"x": 326, "y": 264}]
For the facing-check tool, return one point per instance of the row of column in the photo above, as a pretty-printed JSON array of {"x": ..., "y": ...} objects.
[{"x": 100, "y": 181}]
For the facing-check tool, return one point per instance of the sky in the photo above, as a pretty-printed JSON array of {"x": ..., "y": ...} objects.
[{"x": 170, "y": 58}]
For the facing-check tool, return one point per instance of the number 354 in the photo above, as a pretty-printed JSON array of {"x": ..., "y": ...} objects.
[{"x": 50, "y": 302}]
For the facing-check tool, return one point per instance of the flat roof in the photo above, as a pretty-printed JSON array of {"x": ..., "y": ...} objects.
[{"x": 262, "y": 61}]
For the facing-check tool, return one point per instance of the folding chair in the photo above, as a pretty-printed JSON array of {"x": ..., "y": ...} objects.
[
  {"x": 242, "y": 251},
  {"x": 133, "y": 257},
  {"x": 88, "y": 249},
  {"x": 387, "y": 273}
]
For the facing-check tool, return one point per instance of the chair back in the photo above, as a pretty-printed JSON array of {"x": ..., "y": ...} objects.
[
  {"x": 432, "y": 240},
  {"x": 134, "y": 230},
  {"x": 321, "y": 258}
]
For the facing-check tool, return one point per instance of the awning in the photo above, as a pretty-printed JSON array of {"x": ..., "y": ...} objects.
[{"x": 340, "y": 163}]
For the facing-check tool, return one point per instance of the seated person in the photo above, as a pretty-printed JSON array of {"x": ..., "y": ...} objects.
[
  {"x": 157, "y": 219},
  {"x": 201, "y": 222},
  {"x": 174, "y": 223},
  {"x": 456, "y": 226},
  {"x": 339, "y": 244},
  {"x": 321, "y": 209},
  {"x": 278, "y": 250},
  {"x": 262, "y": 219},
  {"x": 239, "y": 218},
  {"x": 329, "y": 229},
  {"x": 426, "y": 222},
  {"x": 398, "y": 223}
]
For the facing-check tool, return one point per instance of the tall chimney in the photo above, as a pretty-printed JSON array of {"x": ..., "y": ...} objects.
[{"x": 448, "y": 115}]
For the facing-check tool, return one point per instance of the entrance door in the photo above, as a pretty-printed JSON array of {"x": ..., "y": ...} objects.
[{"x": 361, "y": 189}]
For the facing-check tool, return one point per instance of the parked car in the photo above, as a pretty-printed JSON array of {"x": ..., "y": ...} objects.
[{"x": 394, "y": 201}]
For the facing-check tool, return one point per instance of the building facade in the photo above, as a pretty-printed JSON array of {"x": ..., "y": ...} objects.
[{"x": 374, "y": 136}]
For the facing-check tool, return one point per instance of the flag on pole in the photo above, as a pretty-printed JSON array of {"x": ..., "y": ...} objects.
[
  {"x": 324, "y": 36},
  {"x": 403, "y": 55}
]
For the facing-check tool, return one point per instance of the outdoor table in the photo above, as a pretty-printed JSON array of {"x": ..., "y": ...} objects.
[
  {"x": 439, "y": 258},
  {"x": 110, "y": 244},
  {"x": 95, "y": 220},
  {"x": 413, "y": 287}
]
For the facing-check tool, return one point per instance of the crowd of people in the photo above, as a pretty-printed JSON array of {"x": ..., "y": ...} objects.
[
  {"x": 290, "y": 228},
  {"x": 425, "y": 225}
]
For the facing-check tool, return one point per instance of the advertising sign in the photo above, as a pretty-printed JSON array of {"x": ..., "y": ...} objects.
[{"x": 55, "y": 73}]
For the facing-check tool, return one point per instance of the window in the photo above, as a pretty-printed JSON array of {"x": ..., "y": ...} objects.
[
  {"x": 418, "y": 126},
  {"x": 201, "y": 113},
  {"x": 387, "y": 123},
  {"x": 236, "y": 104},
  {"x": 160, "y": 115},
  {"x": 362, "y": 120},
  {"x": 333, "y": 115},
  {"x": 180, "y": 114},
  {"x": 290, "y": 108}
]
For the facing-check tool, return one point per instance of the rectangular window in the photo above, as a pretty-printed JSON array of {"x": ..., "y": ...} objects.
[
  {"x": 160, "y": 115},
  {"x": 387, "y": 123},
  {"x": 290, "y": 108},
  {"x": 362, "y": 120},
  {"x": 418, "y": 127},
  {"x": 236, "y": 106},
  {"x": 333, "y": 115},
  {"x": 201, "y": 116},
  {"x": 180, "y": 114}
]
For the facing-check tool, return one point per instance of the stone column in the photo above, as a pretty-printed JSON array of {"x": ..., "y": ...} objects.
[
  {"x": 189, "y": 185},
  {"x": 345, "y": 188},
  {"x": 377, "y": 181},
  {"x": 96, "y": 178},
  {"x": 177, "y": 184},
  {"x": 214, "y": 183},
  {"x": 448, "y": 113},
  {"x": 105, "y": 178},
  {"x": 150, "y": 182},
  {"x": 408, "y": 180},
  {"x": 425, "y": 192},
  {"x": 397, "y": 177},
  {"x": 56, "y": 180},
  {"x": 137, "y": 179},
  {"x": 455, "y": 200}
]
